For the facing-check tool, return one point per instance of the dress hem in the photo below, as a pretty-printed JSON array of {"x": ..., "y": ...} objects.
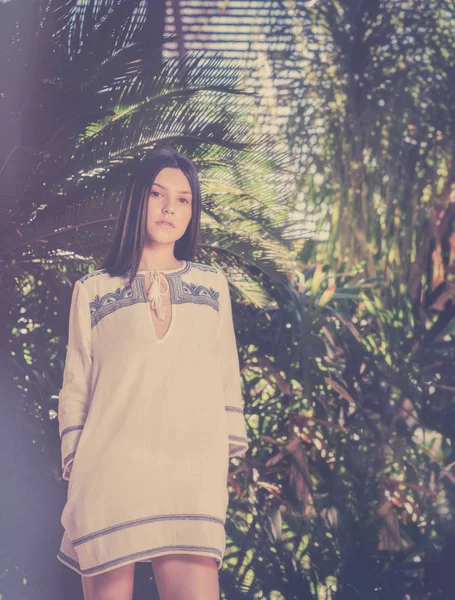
[{"x": 142, "y": 557}]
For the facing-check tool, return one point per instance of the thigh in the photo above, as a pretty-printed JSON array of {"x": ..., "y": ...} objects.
[
  {"x": 116, "y": 584},
  {"x": 186, "y": 577}
]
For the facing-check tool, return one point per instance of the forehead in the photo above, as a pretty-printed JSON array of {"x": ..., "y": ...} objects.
[{"x": 173, "y": 179}]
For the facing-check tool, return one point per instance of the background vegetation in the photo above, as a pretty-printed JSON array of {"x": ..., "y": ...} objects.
[{"x": 338, "y": 238}]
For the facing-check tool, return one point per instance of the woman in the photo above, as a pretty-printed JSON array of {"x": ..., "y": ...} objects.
[{"x": 150, "y": 409}]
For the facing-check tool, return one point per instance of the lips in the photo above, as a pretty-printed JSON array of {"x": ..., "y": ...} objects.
[{"x": 165, "y": 224}]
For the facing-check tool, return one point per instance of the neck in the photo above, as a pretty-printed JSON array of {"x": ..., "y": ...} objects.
[{"x": 160, "y": 267}]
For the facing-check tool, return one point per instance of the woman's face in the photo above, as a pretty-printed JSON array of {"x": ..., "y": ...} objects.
[{"x": 170, "y": 199}]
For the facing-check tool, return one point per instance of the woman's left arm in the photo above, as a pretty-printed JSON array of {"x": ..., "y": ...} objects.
[{"x": 230, "y": 369}]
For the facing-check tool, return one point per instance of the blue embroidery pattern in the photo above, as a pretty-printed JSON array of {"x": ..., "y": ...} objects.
[
  {"x": 100, "y": 307},
  {"x": 199, "y": 294}
]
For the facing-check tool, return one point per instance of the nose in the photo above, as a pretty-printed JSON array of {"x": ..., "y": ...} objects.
[{"x": 169, "y": 206}]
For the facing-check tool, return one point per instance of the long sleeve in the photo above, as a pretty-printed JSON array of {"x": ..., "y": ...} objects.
[
  {"x": 230, "y": 370},
  {"x": 74, "y": 396}
]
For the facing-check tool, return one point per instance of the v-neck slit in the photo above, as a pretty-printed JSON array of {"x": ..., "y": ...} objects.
[
  {"x": 171, "y": 323},
  {"x": 171, "y": 276},
  {"x": 144, "y": 284}
]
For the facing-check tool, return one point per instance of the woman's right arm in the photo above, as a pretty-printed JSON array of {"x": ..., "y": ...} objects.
[{"x": 74, "y": 396}]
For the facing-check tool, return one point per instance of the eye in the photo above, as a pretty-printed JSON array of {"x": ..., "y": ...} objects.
[{"x": 156, "y": 192}]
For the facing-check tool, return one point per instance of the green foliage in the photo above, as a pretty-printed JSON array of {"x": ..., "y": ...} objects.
[{"x": 346, "y": 339}]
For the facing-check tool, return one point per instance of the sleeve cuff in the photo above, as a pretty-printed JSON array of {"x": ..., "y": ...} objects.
[
  {"x": 238, "y": 442},
  {"x": 238, "y": 445},
  {"x": 69, "y": 442}
]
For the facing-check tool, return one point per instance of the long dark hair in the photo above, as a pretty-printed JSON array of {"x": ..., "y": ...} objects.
[{"x": 125, "y": 251}]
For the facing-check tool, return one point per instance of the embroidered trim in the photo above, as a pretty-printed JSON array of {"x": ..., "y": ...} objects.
[
  {"x": 180, "y": 292},
  {"x": 71, "y": 428},
  {"x": 234, "y": 409},
  {"x": 93, "y": 274},
  {"x": 203, "y": 267},
  {"x": 200, "y": 294},
  {"x": 237, "y": 438},
  {"x": 68, "y": 457},
  {"x": 142, "y": 521},
  {"x": 233, "y": 450},
  {"x": 108, "y": 303}
]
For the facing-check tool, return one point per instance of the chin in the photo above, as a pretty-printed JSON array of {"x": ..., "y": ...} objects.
[{"x": 165, "y": 236}]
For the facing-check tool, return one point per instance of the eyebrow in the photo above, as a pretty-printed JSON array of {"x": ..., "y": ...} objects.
[{"x": 164, "y": 188}]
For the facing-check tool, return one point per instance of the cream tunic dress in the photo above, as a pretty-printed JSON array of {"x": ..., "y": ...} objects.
[{"x": 147, "y": 425}]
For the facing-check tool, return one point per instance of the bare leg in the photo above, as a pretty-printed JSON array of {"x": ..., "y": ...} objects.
[
  {"x": 113, "y": 585},
  {"x": 186, "y": 577}
]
